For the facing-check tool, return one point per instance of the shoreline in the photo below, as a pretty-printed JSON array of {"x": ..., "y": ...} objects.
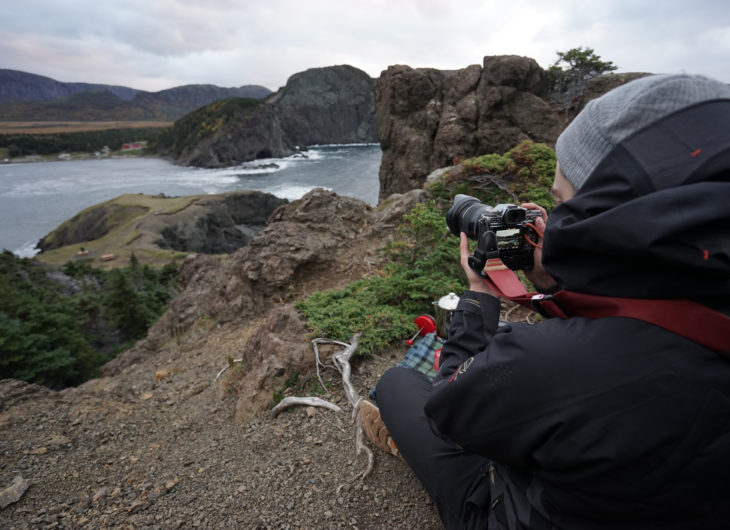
[{"x": 73, "y": 157}]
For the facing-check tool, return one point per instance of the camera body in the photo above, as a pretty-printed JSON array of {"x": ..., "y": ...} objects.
[{"x": 500, "y": 231}]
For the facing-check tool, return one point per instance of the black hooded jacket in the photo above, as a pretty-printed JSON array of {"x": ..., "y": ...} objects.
[{"x": 611, "y": 422}]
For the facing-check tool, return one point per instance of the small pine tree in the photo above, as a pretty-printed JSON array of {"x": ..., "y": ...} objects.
[{"x": 572, "y": 70}]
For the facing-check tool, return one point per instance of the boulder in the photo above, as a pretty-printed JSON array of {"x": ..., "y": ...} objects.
[
  {"x": 426, "y": 118},
  {"x": 277, "y": 349}
]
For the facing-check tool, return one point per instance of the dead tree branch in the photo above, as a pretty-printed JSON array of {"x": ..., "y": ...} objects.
[{"x": 291, "y": 401}]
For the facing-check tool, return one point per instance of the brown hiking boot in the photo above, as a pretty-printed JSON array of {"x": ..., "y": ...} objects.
[{"x": 376, "y": 430}]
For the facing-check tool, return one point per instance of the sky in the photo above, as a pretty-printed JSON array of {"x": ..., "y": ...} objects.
[{"x": 157, "y": 44}]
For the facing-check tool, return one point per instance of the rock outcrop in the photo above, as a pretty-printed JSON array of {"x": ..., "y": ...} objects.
[
  {"x": 319, "y": 106},
  {"x": 425, "y": 118},
  {"x": 157, "y": 228},
  {"x": 326, "y": 106},
  {"x": 226, "y": 224},
  {"x": 300, "y": 251}
]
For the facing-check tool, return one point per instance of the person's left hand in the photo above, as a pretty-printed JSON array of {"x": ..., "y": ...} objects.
[
  {"x": 540, "y": 278},
  {"x": 476, "y": 281}
]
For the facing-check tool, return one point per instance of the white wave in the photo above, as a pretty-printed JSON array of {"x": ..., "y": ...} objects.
[
  {"x": 291, "y": 192},
  {"x": 346, "y": 145},
  {"x": 28, "y": 250}
]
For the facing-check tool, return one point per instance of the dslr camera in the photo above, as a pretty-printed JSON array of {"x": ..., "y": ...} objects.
[{"x": 500, "y": 231}]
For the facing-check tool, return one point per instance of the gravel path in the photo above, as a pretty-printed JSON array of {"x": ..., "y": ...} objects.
[{"x": 156, "y": 447}]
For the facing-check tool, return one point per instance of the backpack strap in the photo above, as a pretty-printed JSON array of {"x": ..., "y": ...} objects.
[{"x": 689, "y": 319}]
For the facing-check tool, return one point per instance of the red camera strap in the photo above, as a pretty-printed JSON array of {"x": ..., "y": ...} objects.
[{"x": 691, "y": 320}]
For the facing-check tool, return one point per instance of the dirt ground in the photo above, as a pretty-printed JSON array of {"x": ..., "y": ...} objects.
[{"x": 156, "y": 446}]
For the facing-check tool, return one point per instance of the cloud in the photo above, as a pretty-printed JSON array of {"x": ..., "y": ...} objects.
[{"x": 158, "y": 44}]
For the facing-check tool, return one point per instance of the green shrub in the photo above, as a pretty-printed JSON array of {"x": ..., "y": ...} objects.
[
  {"x": 523, "y": 174},
  {"x": 423, "y": 266}
]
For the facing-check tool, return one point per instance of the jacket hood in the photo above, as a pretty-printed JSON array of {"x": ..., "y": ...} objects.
[{"x": 653, "y": 219}]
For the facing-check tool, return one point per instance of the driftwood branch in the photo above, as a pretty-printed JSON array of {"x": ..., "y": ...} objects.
[{"x": 308, "y": 401}]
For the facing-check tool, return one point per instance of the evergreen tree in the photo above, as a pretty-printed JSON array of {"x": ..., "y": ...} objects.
[{"x": 572, "y": 70}]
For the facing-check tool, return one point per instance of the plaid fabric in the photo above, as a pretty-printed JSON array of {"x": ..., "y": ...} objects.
[{"x": 420, "y": 356}]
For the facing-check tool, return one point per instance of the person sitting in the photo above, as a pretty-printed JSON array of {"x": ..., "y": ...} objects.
[{"x": 593, "y": 423}]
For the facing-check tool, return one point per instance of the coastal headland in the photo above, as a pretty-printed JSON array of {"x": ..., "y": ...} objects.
[
  {"x": 158, "y": 229},
  {"x": 176, "y": 431}
]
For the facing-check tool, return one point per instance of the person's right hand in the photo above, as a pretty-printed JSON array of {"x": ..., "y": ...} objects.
[
  {"x": 476, "y": 282},
  {"x": 539, "y": 277}
]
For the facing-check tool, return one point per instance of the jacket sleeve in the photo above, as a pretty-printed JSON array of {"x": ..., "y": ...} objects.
[
  {"x": 497, "y": 392},
  {"x": 492, "y": 394},
  {"x": 474, "y": 323}
]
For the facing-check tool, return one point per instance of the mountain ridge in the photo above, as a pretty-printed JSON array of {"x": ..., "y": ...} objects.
[{"x": 25, "y": 96}]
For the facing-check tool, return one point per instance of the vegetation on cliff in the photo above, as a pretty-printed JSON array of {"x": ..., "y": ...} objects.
[
  {"x": 57, "y": 328},
  {"x": 423, "y": 260},
  {"x": 203, "y": 123},
  {"x": 523, "y": 174},
  {"x": 423, "y": 266}
]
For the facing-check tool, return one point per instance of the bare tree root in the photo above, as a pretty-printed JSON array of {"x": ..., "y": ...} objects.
[
  {"x": 291, "y": 401},
  {"x": 342, "y": 363},
  {"x": 315, "y": 346}
]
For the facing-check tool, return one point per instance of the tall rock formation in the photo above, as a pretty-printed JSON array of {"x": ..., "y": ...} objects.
[
  {"x": 425, "y": 118},
  {"x": 318, "y": 106},
  {"x": 327, "y": 105}
]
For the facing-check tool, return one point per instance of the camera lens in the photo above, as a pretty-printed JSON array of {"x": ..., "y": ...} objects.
[{"x": 464, "y": 214}]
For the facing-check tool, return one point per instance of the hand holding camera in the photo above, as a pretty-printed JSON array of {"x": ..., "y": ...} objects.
[{"x": 505, "y": 231}]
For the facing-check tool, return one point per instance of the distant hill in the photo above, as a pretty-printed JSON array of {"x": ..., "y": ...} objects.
[
  {"x": 327, "y": 105},
  {"x": 30, "y": 97}
]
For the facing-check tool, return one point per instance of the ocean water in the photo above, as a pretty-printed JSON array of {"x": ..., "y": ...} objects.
[{"x": 36, "y": 197}]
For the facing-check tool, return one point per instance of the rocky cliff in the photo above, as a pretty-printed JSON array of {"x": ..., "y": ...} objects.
[
  {"x": 318, "y": 106},
  {"x": 152, "y": 442},
  {"x": 425, "y": 118}
]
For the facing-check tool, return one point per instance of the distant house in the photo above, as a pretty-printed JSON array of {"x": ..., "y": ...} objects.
[{"x": 134, "y": 146}]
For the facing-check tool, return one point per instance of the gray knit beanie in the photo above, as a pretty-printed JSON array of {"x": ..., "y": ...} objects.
[{"x": 609, "y": 119}]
